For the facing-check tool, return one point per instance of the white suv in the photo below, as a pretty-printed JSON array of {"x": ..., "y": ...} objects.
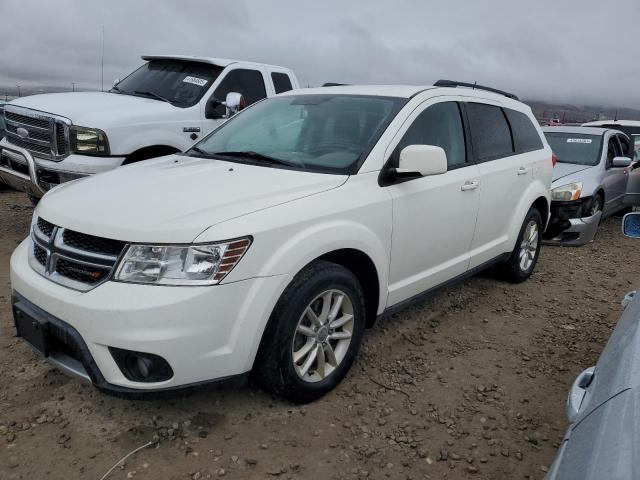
[{"x": 274, "y": 242}]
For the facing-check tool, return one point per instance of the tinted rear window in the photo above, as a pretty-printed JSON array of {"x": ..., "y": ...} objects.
[
  {"x": 281, "y": 82},
  {"x": 525, "y": 135},
  {"x": 490, "y": 131}
]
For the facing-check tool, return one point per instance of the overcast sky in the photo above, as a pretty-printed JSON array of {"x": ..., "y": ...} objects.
[{"x": 579, "y": 51}]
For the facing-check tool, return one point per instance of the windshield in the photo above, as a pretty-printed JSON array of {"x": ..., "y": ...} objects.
[
  {"x": 325, "y": 133},
  {"x": 578, "y": 148},
  {"x": 180, "y": 82}
]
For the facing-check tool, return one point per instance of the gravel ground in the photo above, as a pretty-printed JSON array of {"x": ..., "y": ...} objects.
[{"x": 468, "y": 384}]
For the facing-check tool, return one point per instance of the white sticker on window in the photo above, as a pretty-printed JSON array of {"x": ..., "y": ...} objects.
[
  {"x": 201, "y": 82},
  {"x": 579, "y": 140}
]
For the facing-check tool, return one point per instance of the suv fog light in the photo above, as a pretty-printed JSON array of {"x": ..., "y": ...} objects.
[{"x": 141, "y": 367}]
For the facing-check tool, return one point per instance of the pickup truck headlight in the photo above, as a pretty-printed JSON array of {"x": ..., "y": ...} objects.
[
  {"x": 88, "y": 141},
  {"x": 203, "y": 264},
  {"x": 567, "y": 193}
]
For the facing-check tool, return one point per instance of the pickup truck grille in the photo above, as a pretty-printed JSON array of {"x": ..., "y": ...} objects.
[
  {"x": 43, "y": 135},
  {"x": 73, "y": 259}
]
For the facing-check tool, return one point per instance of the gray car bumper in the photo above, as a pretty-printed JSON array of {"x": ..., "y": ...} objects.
[{"x": 580, "y": 232}]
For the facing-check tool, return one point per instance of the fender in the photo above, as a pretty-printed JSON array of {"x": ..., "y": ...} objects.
[
  {"x": 535, "y": 190},
  {"x": 126, "y": 141}
]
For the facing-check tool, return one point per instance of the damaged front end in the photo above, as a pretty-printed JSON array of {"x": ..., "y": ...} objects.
[{"x": 572, "y": 223}]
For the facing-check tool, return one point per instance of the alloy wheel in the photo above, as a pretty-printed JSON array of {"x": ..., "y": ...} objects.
[
  {"x": 528, "y": 246},
  {"x": 322, "y": 336}
]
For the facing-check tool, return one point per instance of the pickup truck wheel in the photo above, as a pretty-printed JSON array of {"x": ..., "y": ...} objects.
[
  {"x": 314, "y": 333},
  {"x": 524, "y": 257}
]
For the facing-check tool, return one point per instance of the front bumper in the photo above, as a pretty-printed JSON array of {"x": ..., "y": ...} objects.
[
  {"x": 35, "y": 176},
  {"x": 569, "y": 224},
  {"x": 204, "y": 333}
]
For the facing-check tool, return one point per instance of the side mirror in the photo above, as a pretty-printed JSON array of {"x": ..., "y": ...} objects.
[
  {"x": 116, "y": 82},
  {"x": 234, "y": 103},
  {"x": 621, "y": 162},
  {"x": 631, "y": 225},
  {"x": 422, "y": 159}
]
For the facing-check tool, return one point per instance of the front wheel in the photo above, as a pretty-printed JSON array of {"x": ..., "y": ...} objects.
[
  {"x": 313, "y": 335},
  {"x": 524, "y": 256}
]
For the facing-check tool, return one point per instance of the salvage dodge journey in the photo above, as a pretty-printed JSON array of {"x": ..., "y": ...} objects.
[{"x": 275, "y": 241}]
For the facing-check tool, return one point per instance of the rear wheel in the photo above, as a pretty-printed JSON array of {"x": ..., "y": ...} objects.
[
  {"x": 314, "y": 333},
  {"x": 524, "y": 256}
]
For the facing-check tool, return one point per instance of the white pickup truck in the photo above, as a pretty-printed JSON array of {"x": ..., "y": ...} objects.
[{"x": 163, "y": 107}]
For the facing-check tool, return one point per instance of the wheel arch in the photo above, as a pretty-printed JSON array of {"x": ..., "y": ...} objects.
[
  {"x": 151, "y": 151},
  {"x": 364, "y": 269},
  {"x": 542, "y": 205}
]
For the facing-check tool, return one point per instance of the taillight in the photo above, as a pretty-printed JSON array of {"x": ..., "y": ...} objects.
[{"x": 554, "y": 159}]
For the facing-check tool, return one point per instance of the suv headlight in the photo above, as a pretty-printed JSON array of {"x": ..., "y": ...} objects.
[
  {"x": 203, "y": 264},
  {"x": 88, "y": 141},
  {"x": 567, "y": 193}
]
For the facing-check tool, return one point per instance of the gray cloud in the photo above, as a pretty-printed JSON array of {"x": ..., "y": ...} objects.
[{"x": 575, "y": 51}]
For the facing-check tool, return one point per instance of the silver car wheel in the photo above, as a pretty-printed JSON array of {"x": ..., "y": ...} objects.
[
  {"x": 596, "y": 206},
  {"x": 322, "y": 336},
  {"x": 528, "y": 246}
]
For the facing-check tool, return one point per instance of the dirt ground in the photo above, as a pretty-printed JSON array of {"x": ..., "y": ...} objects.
[{"x": 468, "y": 384}]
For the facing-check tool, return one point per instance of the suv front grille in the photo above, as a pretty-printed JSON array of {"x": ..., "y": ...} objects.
[
  {"x": 43, "y": 135},
  {"x": 73, "y": 259}
]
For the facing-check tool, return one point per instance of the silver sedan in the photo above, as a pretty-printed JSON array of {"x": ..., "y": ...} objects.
[{"x": 593, "y": 179}]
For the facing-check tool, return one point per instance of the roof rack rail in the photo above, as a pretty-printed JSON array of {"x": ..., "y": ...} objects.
[
  {"x": 332, "y": 84},
  {"x": 453, "y": 83}
]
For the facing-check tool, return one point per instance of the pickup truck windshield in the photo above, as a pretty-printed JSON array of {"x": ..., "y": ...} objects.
[
  {"x": 322, "y": 133},
  {"x": 179, "y": 82},
  {"x": 578, "y": 148}
]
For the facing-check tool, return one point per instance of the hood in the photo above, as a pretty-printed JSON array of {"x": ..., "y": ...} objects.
[
  {"x": 97, "y": 109},
  {"x": 562, "y": 170},
  {"x": 173, "y": 199}
]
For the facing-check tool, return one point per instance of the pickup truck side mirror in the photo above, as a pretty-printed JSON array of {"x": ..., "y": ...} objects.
[
  {"x": 232, "y": 105},
  {"x": 631, "y": 225},
  {"x": 423, "y": 160},
  {"x": 621, "y": 162}
]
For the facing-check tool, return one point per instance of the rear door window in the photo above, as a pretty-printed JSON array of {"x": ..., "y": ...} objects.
[
  {"x": 490, "y": 133},
  {"x": 281, "y": 82},
  {"x": 525, "y": 135}
]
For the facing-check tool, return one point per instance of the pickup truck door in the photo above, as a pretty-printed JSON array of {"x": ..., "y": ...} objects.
[
  {"x": 251, "y": 83},
  {"x": 434, "y": 217}
]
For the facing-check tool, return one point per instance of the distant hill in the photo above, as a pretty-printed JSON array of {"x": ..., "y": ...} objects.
[{"x": 568, "y": 113}]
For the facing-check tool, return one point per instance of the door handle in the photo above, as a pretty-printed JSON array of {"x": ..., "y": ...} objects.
[
  {"x": 469, "y": 185},
  {"x": 523, "y": 170}
]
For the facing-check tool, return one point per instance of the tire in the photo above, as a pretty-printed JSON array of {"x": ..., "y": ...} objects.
[
  {"x": 292, "y": 330},
  {"x": 516, "y": 269}
]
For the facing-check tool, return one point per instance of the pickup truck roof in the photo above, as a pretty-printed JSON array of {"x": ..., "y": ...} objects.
[{"x": 220, "y": 62}]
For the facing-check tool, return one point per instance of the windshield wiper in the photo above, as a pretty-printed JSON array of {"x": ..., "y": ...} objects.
[
  {"x": 251, "y": 155},
  {"x": 153, "y": 95},
  {"x": 199, "y": 151}
]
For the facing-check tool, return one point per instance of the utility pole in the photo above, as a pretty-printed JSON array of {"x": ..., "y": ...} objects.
[
  {"x": 18, "y": 91},
  {"x": 73, "y": 86},
  {"x": 102, "y": 62}
]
